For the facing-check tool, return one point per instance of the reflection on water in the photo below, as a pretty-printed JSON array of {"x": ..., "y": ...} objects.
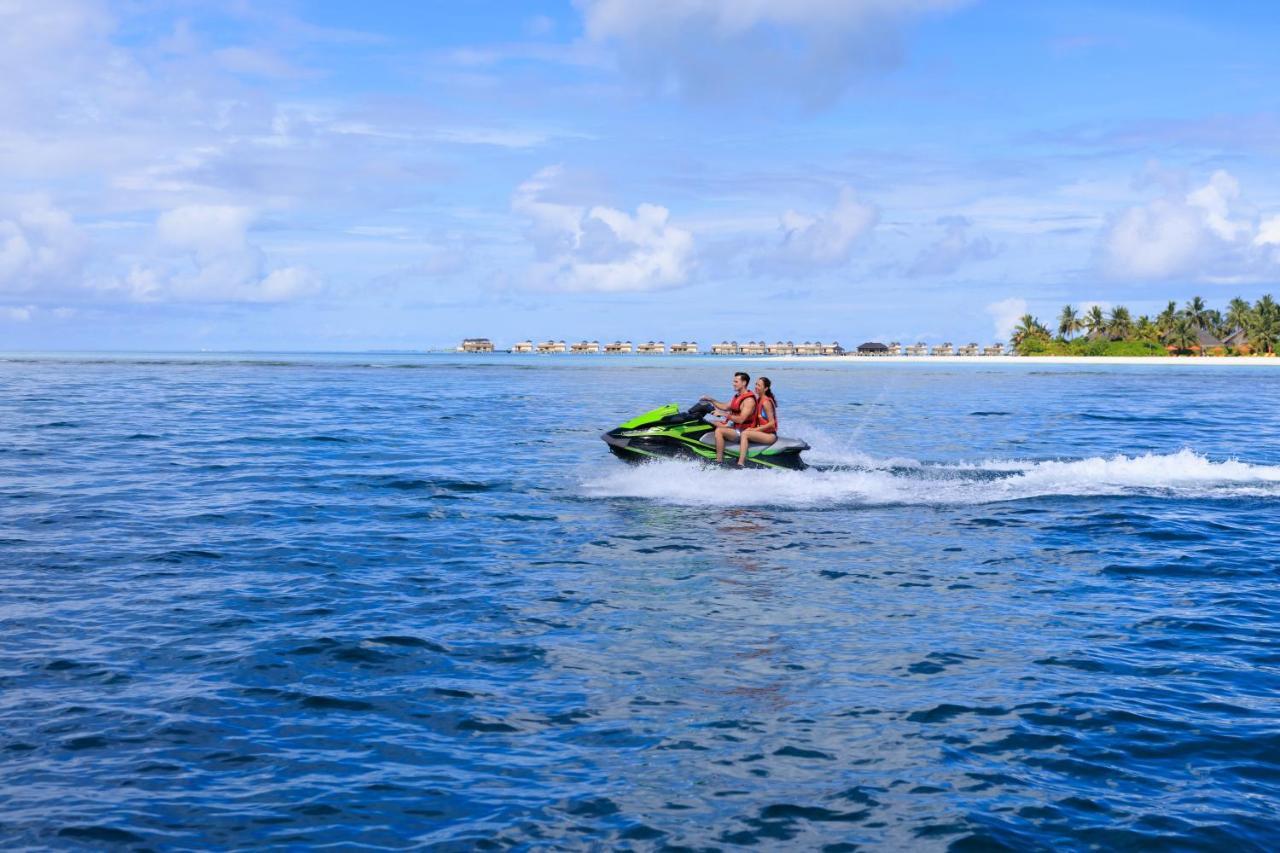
[{"x": 308, "y": 600}]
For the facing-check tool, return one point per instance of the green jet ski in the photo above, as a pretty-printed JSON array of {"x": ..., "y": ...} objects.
[{"x": 667, "y": 433}]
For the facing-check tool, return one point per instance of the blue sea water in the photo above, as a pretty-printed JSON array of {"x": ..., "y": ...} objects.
[{"x": 395, "y": 601}]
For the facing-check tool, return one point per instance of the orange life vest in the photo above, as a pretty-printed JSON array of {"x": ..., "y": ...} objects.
[
  {"x": 735, "y": 407},
  {"x": 763, "y": 423}
]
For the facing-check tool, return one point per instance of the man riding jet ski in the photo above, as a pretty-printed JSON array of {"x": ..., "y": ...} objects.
[{"x": 667, "y": 432}]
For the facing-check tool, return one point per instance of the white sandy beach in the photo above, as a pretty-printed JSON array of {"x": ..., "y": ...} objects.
[{"x": 1186, "y": 361}]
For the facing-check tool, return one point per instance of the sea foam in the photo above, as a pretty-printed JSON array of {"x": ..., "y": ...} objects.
[{"x": 868, "y": 481}]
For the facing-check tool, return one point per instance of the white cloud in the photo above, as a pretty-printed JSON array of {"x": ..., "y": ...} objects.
[
  {"x": 1215, "y": 201},
  {"x": 824, "y": 241},
  {"x": 804, "y": 50},
  {"x": 954, "y": 249},
  {"x": 206, "y": 230},
  {"x": 17, "y": 313},
  {"x": 204, "y": 255},
  {"x": 1005, "y": 315},
  {"x": 1268, "y": 232},
  {"x": 601, "y": 248},
  {"x": 40, "y": 246},
  {"x": 1207, "y": 234}
]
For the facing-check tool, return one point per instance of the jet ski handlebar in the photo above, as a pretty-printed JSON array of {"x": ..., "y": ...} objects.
[{"x": 700, "y": 409}]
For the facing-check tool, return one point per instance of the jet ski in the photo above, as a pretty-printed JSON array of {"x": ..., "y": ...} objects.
[{"x": 667, "y": 432}]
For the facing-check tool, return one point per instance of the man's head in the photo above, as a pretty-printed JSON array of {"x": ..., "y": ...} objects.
[{"x": 741, "y": 381}]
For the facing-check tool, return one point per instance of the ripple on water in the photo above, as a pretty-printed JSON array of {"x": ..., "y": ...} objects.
[{"x": 289, "y": 602}]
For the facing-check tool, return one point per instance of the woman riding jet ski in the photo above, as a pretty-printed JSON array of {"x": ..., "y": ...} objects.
[{"x": 667, "y": 432}]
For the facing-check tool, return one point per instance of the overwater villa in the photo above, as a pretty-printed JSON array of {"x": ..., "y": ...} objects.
[
  {"x": 651, "y": 348},
  {"x": 970, "y": 349},
  {"x": 779, "y": 348},
  {"x": 994, "y": 349},
  {"x": 476, "y": 345},
  {"x": 918, "y": 349},
  {"x": 685, "y": 348},
  {"x": 809, "y": 348},
  {"x": 832, "y": 348},
  {"x": 872, "y": 348},
  {"x": 895, "y": 348},
  {"x": 752, "y": 348},
  {"x": 586, "y": 348},
  {"x": 944, "y": 349},
  {"x": 619, "y": 348},
  {"x": 523, "y": 346},
  {"x": 725, "y": 348},
  {"x": 550, "y": 347}
]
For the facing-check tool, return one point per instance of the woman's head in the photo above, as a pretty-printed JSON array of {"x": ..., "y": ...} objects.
[{"x": 765, "y": 388}]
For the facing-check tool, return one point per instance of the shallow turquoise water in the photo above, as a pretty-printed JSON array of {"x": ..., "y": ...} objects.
[{"x": 398, "y": 601}]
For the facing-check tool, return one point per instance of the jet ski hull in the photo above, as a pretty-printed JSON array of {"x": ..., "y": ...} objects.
[{"x": 668, "y": 434}]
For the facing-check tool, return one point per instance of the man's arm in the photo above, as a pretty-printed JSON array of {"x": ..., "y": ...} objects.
[
  {"x": 744, "y": 414},
  {"x": 717, "y": 403}
]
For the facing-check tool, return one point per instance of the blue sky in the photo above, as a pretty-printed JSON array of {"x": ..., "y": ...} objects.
[{"x": 396, "y": 175}]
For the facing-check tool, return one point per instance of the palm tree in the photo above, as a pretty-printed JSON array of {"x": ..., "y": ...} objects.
[
  {"x": 1120, "y": 324},
  {"x": 1197, "y": 312},
  {"x": 1028, "y": 327},
  {"x": 1264, "y": 327},
  {"x": 1164, "y": 321},
  {"x": 1239, "y": 312},
  {"x": 1068, "y": 321},
  {"x": 1146, "y": 330},
  {"x": 1183, "y": 334},
  {"x": 1095, "y": 321},
  {"x": 1217, "y": 324}
]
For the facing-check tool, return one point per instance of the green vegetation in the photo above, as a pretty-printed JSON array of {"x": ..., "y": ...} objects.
[{"x": 1195, "y": 329}]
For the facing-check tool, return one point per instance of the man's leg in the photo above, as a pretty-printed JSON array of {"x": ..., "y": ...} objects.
[{"x": 723, "y": 433}]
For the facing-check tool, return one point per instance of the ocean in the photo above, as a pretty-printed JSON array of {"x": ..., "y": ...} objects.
[{"x": 388, "y": 601}]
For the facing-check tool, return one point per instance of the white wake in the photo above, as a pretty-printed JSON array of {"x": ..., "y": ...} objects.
[{"x": 863, "y": 480}]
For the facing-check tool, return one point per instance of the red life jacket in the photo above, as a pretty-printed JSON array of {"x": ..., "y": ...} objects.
[
  {"x": 763, "y": 424},
  {"x": 735, "y": 407}
]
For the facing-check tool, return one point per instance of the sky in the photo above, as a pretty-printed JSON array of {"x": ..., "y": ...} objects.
[{"x": 339, "y": 176}]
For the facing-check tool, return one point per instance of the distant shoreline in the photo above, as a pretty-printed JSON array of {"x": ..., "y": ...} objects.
[{"x": 1206, "y": 360}]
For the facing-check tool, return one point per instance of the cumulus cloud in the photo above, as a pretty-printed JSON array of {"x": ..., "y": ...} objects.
[
  {"x": 804, "y": 50},
  {"x": 1207, "y": 233},
  {"x": 204, "y": 255},
  {"x": 951, "y": 251},
  {"x": 822, "y": 241},
  {"x": 1005, "y": 315},
  {"x": 40, "y": 246},
  {"x": 601, "y": 248}
]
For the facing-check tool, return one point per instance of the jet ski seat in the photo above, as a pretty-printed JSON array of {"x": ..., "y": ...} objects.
[{"x": 783, "y": 443}]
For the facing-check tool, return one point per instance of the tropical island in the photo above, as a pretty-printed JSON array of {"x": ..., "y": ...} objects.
[{"x": 1195, "y": 329}]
